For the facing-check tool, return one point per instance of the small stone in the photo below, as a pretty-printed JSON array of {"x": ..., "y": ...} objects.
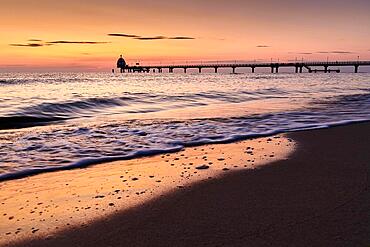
[{"x": 203, "y": 167}]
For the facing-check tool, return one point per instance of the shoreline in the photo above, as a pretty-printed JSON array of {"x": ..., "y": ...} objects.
[
  {"x": 86, "y": 163},
  {"x": 45, "y": 204},
  {"x": 315, "y": 197}
]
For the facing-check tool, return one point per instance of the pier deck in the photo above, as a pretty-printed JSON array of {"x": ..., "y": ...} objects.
[{"x": 299, "y": 67}]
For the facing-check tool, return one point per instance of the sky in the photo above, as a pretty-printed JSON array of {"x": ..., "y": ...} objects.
[{"x": 89, "y": 35}]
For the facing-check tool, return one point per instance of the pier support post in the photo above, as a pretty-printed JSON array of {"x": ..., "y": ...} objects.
[
  {"x": 200, "y": 70},
  {"x": 272, "y": 69},
  {"x": 326, "y": 69},
  {"x": 185, "y": 70},
  {"x": 234, "y": 70},
  {"x": 296, "y": 69},
  {"x": 356, "y": 68},
  {"x": 216, "y": 69},
  {"x": 277, "y": 69},
  {"x": 301, "y": 69},
  {"x": 253, "y": 68},
  {"x": 170, "y": 70}
]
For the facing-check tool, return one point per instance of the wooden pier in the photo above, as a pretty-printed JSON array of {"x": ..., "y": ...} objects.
[{"x": 298, "y": 67}]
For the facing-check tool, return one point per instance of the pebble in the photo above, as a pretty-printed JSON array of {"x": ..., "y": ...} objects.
[{"x": 203, "y": 167}]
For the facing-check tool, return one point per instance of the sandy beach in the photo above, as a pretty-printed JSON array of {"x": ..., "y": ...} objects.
[
  {"x": 184, "y": 123},
  {"x": 307, "y": 188},
  {"x": 43, "y": 205}
]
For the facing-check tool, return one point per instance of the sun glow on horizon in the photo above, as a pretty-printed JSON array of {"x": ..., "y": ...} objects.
[{"x": 50, "y": 35}]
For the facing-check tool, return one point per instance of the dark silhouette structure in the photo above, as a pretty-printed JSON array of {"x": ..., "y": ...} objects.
[
  {"x": 121, "y": 64},
  {"x": 299, "y": 67}
]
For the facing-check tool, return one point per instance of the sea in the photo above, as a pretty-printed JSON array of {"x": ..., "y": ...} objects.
[{"x": 57, "y": 121}]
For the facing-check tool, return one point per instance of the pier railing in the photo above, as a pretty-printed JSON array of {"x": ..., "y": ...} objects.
[{"x": 298, "y": 65}]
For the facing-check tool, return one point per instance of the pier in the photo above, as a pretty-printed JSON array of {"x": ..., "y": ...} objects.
[{"x": 297, "y": 67}]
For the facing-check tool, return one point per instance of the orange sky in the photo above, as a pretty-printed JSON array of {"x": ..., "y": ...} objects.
[{"x": 222, "y": 30}]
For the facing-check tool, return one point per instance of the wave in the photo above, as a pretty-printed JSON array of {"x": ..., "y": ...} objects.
[
  {"x": 130, "y": 103},
  {"x": 72, "y": 108},
  {"x": 48, "y": 113},
  {"x": 176, "y": 147},
  {"x": 68, "y": 147},
  {"x": 8, "y": 82},
  {"x": 85, "y": 163},
  {"x": 17, "y": 122},
  {"x": 14, "y": 81},
  {"x": 308, "y": 102}
]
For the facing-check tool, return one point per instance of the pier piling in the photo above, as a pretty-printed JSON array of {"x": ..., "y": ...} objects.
[{"x": 298, "y": 66}]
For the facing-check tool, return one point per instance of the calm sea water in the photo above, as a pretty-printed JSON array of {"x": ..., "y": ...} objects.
[{"x": 57, "y": 121}]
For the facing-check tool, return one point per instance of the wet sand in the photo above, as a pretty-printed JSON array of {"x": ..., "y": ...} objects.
[
  {"x": 43, "y": 205},
  {"x": 318, "y": 197}
]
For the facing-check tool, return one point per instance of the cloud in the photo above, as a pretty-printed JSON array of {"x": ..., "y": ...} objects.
[
  {"x": 342, "y": 52},
  {"x": 163, "y": 37},
  {"x": 263, "y": 46},
  {"x": 181, "y": 38},
  {"x": 50, "y": 43},
  {"x": 123, "y": 35},
  {"x": 301, "y": 53},
  {"x": 76, "y": 42},
  {"x": 334, "y": 52},
  {"x": 151, "y": 38},
  {"x": 159, "y": 37},
  {"x": 27, "y": 45}
]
